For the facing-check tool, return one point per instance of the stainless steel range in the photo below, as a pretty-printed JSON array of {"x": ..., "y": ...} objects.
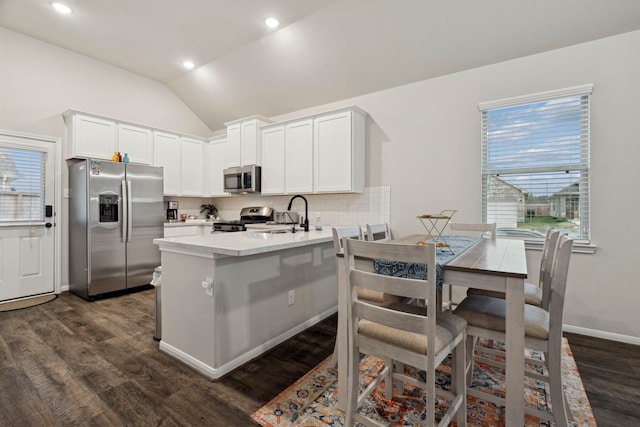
[{"x": 251, "y": 215}]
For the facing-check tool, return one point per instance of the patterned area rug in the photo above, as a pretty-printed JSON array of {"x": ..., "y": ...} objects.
[{"x": 311, "y": 401}]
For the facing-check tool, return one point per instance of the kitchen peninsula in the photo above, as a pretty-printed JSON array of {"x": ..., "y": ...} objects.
[{"x": 227, "y": 298}]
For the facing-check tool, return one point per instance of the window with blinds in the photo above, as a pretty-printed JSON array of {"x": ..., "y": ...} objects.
[
  {"x": 22, "y": 185},
  {"x": 535, "y": 163}
]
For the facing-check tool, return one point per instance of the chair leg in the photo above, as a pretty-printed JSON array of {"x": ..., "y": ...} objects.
[
  {"x": 399, "y": 367},
  {"x": 458, "y": 381},
  {"x": 554, "y": 365},
  {"x": 471, "y": 340},
  {"x": 334, "y": 357},
  {"x": 388, "y": 381},
  {"x": 353, "y": 388}
]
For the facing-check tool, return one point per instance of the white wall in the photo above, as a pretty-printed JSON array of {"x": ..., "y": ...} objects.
[
  {"x": 424, "y": 142},
  {"x": 39, "y": 81}
]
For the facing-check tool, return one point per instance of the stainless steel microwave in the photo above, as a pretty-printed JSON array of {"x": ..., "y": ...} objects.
[{"x": 242, "y": 179}]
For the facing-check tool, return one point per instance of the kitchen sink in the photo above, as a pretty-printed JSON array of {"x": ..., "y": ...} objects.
[{"x": 275, "y": 231}]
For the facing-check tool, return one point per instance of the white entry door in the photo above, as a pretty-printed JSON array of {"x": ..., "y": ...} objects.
[{"x": 27, "y": 216}]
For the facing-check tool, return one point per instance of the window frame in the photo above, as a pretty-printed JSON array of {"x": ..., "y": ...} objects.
[
  {"x": 583, "y": 243},
  {"x": 33, "y": 196}
]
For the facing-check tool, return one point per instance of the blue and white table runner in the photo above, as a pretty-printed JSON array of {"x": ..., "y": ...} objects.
[{"x": 412, "y": 270}]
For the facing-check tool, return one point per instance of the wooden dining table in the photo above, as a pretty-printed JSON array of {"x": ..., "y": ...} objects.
[{"x": 493, "y": 264}]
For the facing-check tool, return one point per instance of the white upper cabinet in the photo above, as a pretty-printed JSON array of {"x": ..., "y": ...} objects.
[
  {"x": 299, "y": 157},
  {"x": 90, "y": 137},
  {"x": 339, "y": 151},
  {"x": 321, "y": 153},
  {"x": 243, "y": 141},
  {"x": 136, "y": 142},
  {"x": 95, "y": 137},
  {"x": 233, "y": 145},
  {"x": 167, "y": 152},
  {"x": 250, "y": 152},
  {"x": 215, "y": 161},
  {"x": 273, "y": 159},
  {"x": 192, "y": 167}
]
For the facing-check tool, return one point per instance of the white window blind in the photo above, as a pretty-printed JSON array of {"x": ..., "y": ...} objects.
[
  {"x": 535, "y": 163},
  {"x": 22, "y": 184}
]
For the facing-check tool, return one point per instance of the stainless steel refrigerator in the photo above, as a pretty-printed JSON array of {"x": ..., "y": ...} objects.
[{"x": 115, "y": 212}]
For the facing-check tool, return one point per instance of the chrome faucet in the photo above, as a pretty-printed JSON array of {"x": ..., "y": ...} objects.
[
  {"x": 305, "y": 224},
  {"x": 293, "y": 228}
]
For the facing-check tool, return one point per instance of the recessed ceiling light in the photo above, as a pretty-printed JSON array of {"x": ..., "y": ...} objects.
[
  {"x": 271, "y": 22},
  {"x": 62, "y": 8},
  {"x": 188, "y": 65}
]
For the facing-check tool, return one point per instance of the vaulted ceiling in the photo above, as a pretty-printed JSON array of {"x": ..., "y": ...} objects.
[{"x": 324, "y": 50}]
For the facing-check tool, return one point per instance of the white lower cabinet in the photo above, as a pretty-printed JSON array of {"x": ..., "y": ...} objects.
[
  {"x": 167, "y": 153},
  {"x": 187, "y": 230}
]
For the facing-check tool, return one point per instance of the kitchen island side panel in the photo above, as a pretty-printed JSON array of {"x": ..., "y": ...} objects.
[{"x": 248, "y": 312}]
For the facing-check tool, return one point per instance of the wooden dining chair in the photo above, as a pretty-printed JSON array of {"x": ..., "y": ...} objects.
[
  {"x": 534, "y": 294},
  {"x": 481, "y": 230},
  {"x": 543, "y": 332},
  {"x": 378, "y": 232},
  {"x": 375, "y": 297},
  {"x": 400, "y": 332}
]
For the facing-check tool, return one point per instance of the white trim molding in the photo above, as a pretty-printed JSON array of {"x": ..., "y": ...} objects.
[
  {"x": 215, "y": 373},
  {"x": 601, "y": 334},
  {"x": 535, "y": 97}
]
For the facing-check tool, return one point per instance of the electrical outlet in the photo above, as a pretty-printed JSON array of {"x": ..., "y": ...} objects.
[{"x": 291, "y": 297}]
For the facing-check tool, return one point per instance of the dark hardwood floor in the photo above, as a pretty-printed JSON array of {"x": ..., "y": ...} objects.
[
  {"x": 74, "y": 363},
  {"x": 610, "y": 373}
]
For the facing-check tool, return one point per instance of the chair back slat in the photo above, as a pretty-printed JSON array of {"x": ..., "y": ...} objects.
[
  {"x": 408, "y": 288},
  {"x": 349, "y": 232},
  {"x": 482, "y": 228},
  {"x": 546, "y": 264},
  {"x": 559, "y": 273},
  {"x": 396, "y": 319},
  {"x": 403, "y": 287},
  {"x": 378, "y": 232}
]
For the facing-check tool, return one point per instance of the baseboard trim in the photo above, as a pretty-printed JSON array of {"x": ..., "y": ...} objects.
[
  {"x": 601, "y": 334},
  {"x": 216, "y": 373}
]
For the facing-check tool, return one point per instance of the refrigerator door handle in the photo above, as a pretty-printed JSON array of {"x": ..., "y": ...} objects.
[
  {"x": 129, "y": 212},
  {"x": 125, "y": 211}
]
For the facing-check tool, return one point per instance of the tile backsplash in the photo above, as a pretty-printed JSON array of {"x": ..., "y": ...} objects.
[{"x": 372, "y": 206}]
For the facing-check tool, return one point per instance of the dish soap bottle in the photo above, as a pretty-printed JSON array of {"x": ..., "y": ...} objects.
[
  {"x": 114, "y": 158},
  {"x": 125, "y": 158},
  {"x": 318, "y": 225}
]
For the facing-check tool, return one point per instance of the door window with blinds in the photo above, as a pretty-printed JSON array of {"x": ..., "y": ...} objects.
[
  {"x": 535, "y": 163},
  {"x": 22, "y": 185}
]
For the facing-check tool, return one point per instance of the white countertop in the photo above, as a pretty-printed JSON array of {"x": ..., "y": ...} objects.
[{"x": 245, "y": 242}]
